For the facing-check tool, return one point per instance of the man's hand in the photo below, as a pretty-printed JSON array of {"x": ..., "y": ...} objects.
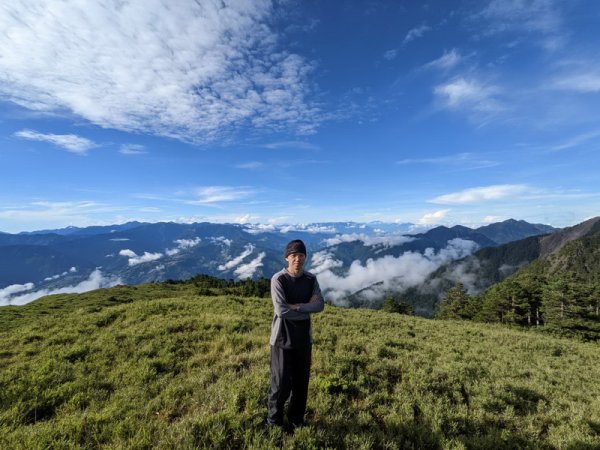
[{"x": 293, "y": 306}]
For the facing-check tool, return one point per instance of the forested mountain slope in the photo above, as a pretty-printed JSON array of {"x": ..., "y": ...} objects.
[{"x": 558, "y": 291}]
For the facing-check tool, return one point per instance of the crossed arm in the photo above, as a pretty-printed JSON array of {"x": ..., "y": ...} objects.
[
  {"x": 316, "y": 300},
  {"x": 295, "y": 311}
]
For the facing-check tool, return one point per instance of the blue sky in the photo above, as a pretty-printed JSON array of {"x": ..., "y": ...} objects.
[{"x": 439, "y": 112}]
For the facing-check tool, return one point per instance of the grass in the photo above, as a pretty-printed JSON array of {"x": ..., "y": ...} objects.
[{"x": 157, "y": 366}]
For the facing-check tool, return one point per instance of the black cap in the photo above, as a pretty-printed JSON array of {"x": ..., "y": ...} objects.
[{"x": 295, "y": 246}]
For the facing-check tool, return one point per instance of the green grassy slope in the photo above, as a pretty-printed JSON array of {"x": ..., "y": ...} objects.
[{"x": 157, "y": 366}]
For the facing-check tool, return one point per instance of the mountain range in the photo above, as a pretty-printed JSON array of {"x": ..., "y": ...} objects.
[{"x": 75, "y": 258}]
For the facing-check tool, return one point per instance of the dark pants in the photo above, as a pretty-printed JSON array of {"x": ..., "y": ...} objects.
[{"x": 290, "y": 371}]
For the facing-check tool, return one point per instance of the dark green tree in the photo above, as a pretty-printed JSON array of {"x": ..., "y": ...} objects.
[
  {"x": 455, "y": 305},
  {"x": 393, "y": 305}
]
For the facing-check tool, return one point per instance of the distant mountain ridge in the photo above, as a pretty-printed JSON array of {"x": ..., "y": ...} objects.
[
  {"x": 513, "y": 230},
  {"x": 136, "y": 252}
]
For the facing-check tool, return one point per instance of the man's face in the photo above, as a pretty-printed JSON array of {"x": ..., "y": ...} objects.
[{"x": 295, "y": 262}]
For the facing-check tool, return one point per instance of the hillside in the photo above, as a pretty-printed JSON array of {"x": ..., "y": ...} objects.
[
  {"x": 185, "y": 365},
  {"x": 559, "y": 291},
  {"x": 490, "y": 265}
]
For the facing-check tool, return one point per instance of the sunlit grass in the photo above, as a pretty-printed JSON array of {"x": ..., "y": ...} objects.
[{"x": 156, "y": 366}]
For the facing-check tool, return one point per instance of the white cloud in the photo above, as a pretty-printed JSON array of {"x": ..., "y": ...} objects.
[
  {"x": 250, "y": 165},
  {"x": 134, "y": 259},
  {"x": 7, "y": 292},
  {"x": 482, "y": 194},
  {"x": 70, "y": 142},
  {"x": 56, "y": 214},
  {"x": 247, "y": 270},
  {"x": 222, "y": 239},
  {"x": 95, "y": 281},
  {"x": 249, "y": 248},
  {"x": 391, "y": 54},
  {"x": 133, "y": 149},
  {"x": 541, "y": 16},
  {"x": 389, "y": 272},
  {"x": 243, "y": 219},
  {"x": 416, "y": 33},
  {"x": 193, "y": 71},
  {"x": 471, "y": 94},
  {"x": 215, "y": 194},
  {"x": 434, "y": 217},
  {"x": 583, "y": 82},
  {"x": 299, "y": 145},
  {"x": 307, "y": 228},
  {"x": 120, "y": 239},
  {"x": 183, "y": 244},
  {"x": 369, "y": 241},
  {"x": 577, "y": 140},
  {"x": 60, "y": 275},
  {"x": 447, "y": 61},
  {"x": 467, "y": 161},
  {"x": 322, "y": 261},
  {"x": 492, "y": 219},
  {"x": 256, "y": 228}
]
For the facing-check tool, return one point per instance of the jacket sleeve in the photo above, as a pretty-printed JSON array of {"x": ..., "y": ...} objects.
[
  {"x": 279, "y": 302},
  {"x": 314, "y": 307}
]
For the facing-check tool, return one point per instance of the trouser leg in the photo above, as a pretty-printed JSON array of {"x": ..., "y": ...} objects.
[
  {"x": 281, "y": 384},
  {"x": 300, "y": 376}
]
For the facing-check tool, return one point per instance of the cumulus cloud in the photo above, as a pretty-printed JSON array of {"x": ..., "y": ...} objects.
[
  {"x": 469, "y": 94},
  {"x": 70, "y": 142},
  {"x": 388, "y": 272},
  {"x": 368, "y": 241},
  {"x": 192, "y": 72},
  {"x": 135, "y": 259},
  {"x": 307, "y": 228},
  {"x": 222, "y": 239},
  {"x": 322, "y": 261},
  {"x": 183, "y": 244},
  {"x": 256, "y": 228},
  {"x": 247, "y": 270},
  {"x": 482, "y": 194},
  {"x": 434, "y": 217},
  {"x": 60, "y": 275},
  {"x": 416, "y": 33},
  {"x": 96, "y": 280},
  {"x": 248, "y": 249}
]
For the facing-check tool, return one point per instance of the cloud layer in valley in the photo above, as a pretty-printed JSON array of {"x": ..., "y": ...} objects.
[
  {"x": 385, "y": 273},
  {"x": 13, "y": 295}
]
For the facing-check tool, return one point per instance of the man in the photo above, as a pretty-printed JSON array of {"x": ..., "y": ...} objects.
[{"x": 296, "y": 295}]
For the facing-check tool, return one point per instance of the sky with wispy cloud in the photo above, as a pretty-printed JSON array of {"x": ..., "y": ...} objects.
[{"x": 435, "y": 112}]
